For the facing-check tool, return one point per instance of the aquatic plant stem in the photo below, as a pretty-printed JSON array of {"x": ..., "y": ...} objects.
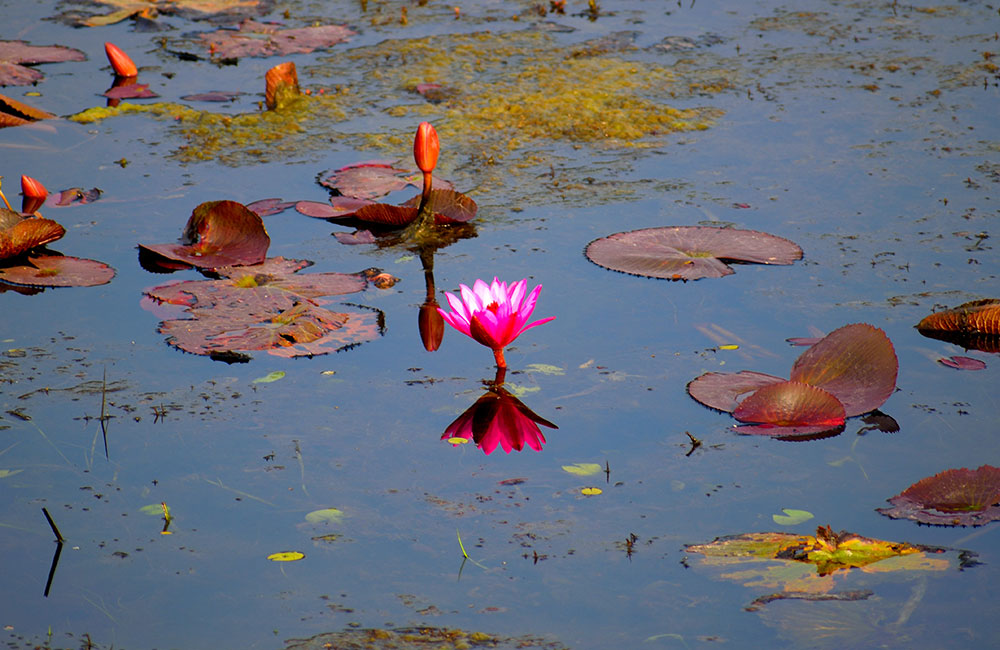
[
  {"x": 6, "y": 202},
  {"x": 498, "y": 355}
]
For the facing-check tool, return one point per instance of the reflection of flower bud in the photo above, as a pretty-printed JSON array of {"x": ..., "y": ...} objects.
[
  {"x": 431, "y": 326},
  {"x": 426, "y": 147},
  {"x": 32, "y": 189},
  {"x": 121, "y": 62}
]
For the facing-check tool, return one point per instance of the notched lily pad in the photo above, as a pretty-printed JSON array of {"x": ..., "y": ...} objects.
[
  {"x": 955, "y": 497},
  {"x": 15, "y": 55},
  {"x": 688, "y": 252},
  {"x": 219, "y": 233},
  {"x": 266, "y": 307},
  {"x": 254, "y": 38},
  {"x": 58, "y": 271}
]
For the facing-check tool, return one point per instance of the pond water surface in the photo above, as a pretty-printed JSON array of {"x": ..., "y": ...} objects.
[{"x": 866, "y": 132}]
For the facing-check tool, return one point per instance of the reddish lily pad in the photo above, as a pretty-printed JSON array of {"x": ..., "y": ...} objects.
[
  {"x": 791, "y": 404},
  {"x": 268, "y": 39},
  {"x": 724, "y": 391},
  {"x": 15, "y": 55},
  {"x": 355, "y": 238},
  {"x": 269, "y": 207},
  {"x": 266, "y": 307},
  {"x": 74, "y": 195},
  {"x": 58, "y": 271},
  {"x": 791, "y": 433},
  {"x": 339, "y": 207},
  {"x": 688, "y": 252},
  {"x": 448, "y": 206},
  {"x": 15, "y": 113},
  {"x": 130, "y": 91},
  {"x": 374, "y": 179},
  {"x": 19, "y": 235},
  {"x": 955, "y": 497},
  {"x": 219, "y": 233},
  {"x": 963, "y": 363}
]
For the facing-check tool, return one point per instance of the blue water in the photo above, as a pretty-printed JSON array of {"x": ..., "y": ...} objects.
[{"x": 872, "y": 184}]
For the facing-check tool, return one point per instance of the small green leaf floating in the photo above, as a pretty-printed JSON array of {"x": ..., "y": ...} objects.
[
  {"x": 286, "y": 556},
  {"x": 325, "y": 516},
  {"x": 792, "y": 517},
  {"x": 583, "y": 469},
  {"x": 270, "y": 377}
]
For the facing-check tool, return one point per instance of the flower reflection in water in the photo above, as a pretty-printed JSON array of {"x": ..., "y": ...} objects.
[{"x": 498, "y": 418}]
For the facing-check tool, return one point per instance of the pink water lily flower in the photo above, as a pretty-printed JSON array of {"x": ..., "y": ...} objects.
[{"x": 493, "y": 314}]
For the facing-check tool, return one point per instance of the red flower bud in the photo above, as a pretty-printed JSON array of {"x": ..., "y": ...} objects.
[
  {"x": 121, "y": 62},
  {"x": 426, "y": 147},
  {"x": 32, "y": 189},
  {"x": 431, "y": 326}
]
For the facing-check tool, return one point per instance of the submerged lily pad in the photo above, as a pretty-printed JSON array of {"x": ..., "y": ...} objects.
[
  {"x": 254, "y": 38},
  {"x": 15, "y": 55},
  {"x": 58, "y": 271},
  {"x": 955, "y": 497},
  {"x": 688, "y": 252},
  {"x": 266, "y": 307},
  {"x": 848, "y": 372},
  {"x": 218, "y": 233}
]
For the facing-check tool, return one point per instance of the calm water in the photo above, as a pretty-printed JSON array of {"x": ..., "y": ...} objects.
[{"x": 865, "y": 134}]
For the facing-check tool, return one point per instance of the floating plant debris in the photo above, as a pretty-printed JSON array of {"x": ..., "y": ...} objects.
[
  {"x": 688, "y": 252},
  {"x": 954, "y": 497},
  {"x": 218, "y": 233},
  {"x": 16, "y": 55},
  {"x": 850, "y": 371}
]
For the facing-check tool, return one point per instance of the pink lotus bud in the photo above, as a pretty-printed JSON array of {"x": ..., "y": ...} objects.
[
  {"x": 121, "y": 62},
  {"x": 426, "y": 147}
]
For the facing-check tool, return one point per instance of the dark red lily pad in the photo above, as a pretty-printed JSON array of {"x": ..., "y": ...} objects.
[
  {"x": 688, "y": 252},
  {"x": 266, "y": 307},
  {"x": 374, "y": 179},
  {"x": 856, "y": 364},
  {"x": 270, "y": 207},
  {"x": 791, "y": 404},
  {"x": 15, "y": 113},
  {"x": 955, "y": 497},
  {"x": 253, "y": 38},
  {"x": 339, "y": 207},
  {"x": 963, "y": 363},
  {"x": 355, "y": 238},
  {"x": 218, "y": 234},
  {"x": 130, "y": 91},
  {"x": 724, "y": 391},
  {"x": 15, "y": 55},
  {"x": 19, "y": 235},
  {"x": 58, "y": 271}
]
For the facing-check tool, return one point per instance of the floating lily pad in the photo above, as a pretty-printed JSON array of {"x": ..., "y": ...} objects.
[
  {"x": 15, "y": 55},
  {"x": 339, "y": 207},
  {"x": 130, "y": 91},
  {"x": 194, "y": 9},
  {"x": 19, "y": 235},
  {"x": 963, "y": 363},
  {"x": 266, "y": 307},
  {"x": 268, "y": 207},
  {"x": 219, "y": 233},
  {"x": 58, "y": 271},
  {"x": 74, "y": 195},
  {"x": 688, "y": 252},
  {"x": 254, "y": 38},
  {"x": 374, "y": 179},
  {"x": 973, "y": 325},
  {"x": 955, "y": 497},
  {"x": 855, "y": 365}
]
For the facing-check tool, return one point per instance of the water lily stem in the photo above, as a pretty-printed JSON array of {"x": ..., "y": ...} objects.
[
  {"x": 5, "y": 200},
  {"x": 498, "y": 355}
]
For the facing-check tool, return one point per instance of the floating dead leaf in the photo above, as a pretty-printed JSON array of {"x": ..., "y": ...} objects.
[
  {"x": 954, "y": 497},
  {"x": 58, "y": 271},
  {"x": 266, "y": 307},
  {"x": 688, "y": 252},
  {"x": 281, "y": 85},
  {"x": 15, "y": 113},
  {"x": 218, "y": 233},
  {"x": 15, "y": 55},
  {"x": 253, "y": 38},
  {"x": 973, "y": 325},
  {"x": 963, "y": 363},
  {"x": 74, "y": 195}
]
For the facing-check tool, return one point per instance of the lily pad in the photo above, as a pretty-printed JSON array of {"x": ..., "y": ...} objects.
[
  {"x": 254, "y": 38},
  {"x": 15, "y": 113},
  {"x": 58, "y": 271},
  {"x": 724, "y": 391},
  {"x": 219, "y": 233},
  {"x": 15, "y": 55},
  {"x": 954, "y": 497},
  {"x": 973, "y": 325},
  {"x": 339, "y": 207},
  {"x": 688, "y": 252},
  {"x": 963, "y": 363},
  {"x": 194, "y": 9},
  {"x": 268, "y": 207},
  {"x": 266, "y": 307},
  {"x": 790, "y": 404},
  {"x": 130, "y": 91},
  {"x": 19, "y": 235},
  {"x": 374, "y": 179}
]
